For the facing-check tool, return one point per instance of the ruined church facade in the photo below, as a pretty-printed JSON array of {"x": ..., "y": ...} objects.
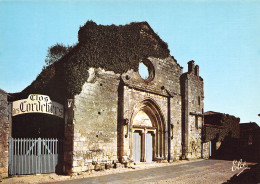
[
  {"x": 128, "y": 119},
  {"x": 111, "y": 114}
]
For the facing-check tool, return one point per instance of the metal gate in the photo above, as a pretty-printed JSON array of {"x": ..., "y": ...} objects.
[{"x": 33, "y": 156}]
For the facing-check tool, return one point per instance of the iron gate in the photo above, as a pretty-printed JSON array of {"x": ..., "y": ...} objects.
[{"x": 34, "y": 156}]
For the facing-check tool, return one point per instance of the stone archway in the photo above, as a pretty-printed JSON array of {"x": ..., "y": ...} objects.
[{"x": 148, "y": 127}]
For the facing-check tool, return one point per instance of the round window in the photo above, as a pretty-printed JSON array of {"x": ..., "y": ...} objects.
[
  {"x": 146, "y": 70},
  {"x": 143, "y": 71}
]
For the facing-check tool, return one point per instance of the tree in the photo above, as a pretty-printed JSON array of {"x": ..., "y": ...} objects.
[{"x": 56, "y": 52}]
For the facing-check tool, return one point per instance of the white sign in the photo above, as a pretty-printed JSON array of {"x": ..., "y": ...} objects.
[{"x": 36, "y": 103}]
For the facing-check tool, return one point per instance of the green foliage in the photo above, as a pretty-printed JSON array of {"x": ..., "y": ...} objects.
[
  {"x": 113, "y": 48},
  {"x": 56, "y": 52}
]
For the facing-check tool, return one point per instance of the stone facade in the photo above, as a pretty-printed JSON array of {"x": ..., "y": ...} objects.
[
  {"x": 4, "y": 133},
  {"x": 101, "y": 121},
  {"x": 164, "y": 92}
]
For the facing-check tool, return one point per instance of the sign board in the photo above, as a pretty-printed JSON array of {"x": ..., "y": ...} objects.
[{"x": 36, "y": 103}]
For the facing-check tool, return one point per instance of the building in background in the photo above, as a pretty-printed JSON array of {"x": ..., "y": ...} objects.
[
  {"x": 250, "y": 141},
  {"x": 221, "y": 135}
]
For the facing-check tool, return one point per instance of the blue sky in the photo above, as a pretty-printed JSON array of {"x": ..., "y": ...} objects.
[{"x": 221, "y": 36}]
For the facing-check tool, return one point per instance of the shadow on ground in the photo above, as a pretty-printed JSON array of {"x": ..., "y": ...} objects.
[{"x": 249, "y": 176}]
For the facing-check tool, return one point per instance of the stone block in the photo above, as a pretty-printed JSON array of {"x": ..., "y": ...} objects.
[
  {"x": 164, "y": 161},
  {"x": 84, "y": 168},
  {"x": 118, "y": 165},
  {"x": 99, "y": 167},
  {"x": 3, "y": 170},
  {"x": 75, "y": 163},
  {"x": 4, "y": 175},
  {"x": 129, "y": 164},
  {"x": 91, "y": 167},
  {"x": 108, "y": 165},
  {"x": 124, "y": 159},
  {"x": 76, "y": 169}
]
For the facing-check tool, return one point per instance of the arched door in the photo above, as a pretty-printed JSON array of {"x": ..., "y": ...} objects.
[{"x": 150, "y": 140}]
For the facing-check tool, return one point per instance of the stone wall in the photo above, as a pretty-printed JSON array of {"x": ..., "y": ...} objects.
[
  {"x": 256, "y": 145},
  {"x": 227, "y": 124},
  {"x": 250, "y": 141},
  {"x": 192, "y": 111},
  {"x": 223, "y": 131},
  {"x": 4, "y": 133},
  {"x": 99, "y": 121},
  {"x": 95, "y": 121}
]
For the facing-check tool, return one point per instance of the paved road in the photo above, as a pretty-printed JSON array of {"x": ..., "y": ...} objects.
[{"x": 157, "y": 174}]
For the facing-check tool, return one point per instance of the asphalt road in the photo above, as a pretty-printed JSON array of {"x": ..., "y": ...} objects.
[{"x": 164, "y": 174}]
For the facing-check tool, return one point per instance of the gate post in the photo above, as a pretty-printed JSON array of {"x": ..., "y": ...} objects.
[
  {"x": 10, "y": 156},
  {"x": 4, "y": 134},
  {"x": 38, "y": 169}
]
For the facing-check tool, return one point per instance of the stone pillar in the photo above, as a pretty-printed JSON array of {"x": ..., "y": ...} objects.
[
  {"x": 154, "y": 145},
  {"x": 155, "y": 139},
  {"x": 160, "y": 144},
  {"x": 191, "y": 66},
  {"x": 205, "y": 150},
  {"x": 4, "y": 133},
  {"x": 163, "y": 144},
  {"x": 68, "y": 135},
  {"x": 197, "y": 70},
  {"x": 143, "y": 157}
]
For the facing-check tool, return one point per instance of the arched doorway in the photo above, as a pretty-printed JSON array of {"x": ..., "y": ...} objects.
[{"x": 148, "y": 133}]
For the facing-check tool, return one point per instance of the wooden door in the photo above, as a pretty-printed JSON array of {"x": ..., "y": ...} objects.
[
  {"x": 149, "y": 147},
  {"x": 136, "y": 147}
]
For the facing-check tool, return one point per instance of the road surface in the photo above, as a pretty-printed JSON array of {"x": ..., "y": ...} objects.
[{"x": 204, "y": 171}]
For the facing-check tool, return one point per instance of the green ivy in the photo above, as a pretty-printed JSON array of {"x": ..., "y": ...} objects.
[{"x": 113, "y": 48}]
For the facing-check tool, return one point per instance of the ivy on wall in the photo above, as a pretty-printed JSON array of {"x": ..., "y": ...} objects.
[{"x": 113, "y": 48}]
